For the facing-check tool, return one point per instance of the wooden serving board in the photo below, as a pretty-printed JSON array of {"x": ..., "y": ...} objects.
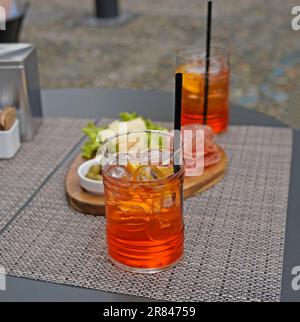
[{"x": 87, "y": 203}]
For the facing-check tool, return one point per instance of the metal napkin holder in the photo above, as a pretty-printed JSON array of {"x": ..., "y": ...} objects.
[{"x": 19, "y": 86}]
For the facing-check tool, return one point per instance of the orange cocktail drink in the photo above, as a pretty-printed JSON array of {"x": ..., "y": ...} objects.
[
  {"x": 191, "y": 63},
  {"x": 143, "y": 197}
]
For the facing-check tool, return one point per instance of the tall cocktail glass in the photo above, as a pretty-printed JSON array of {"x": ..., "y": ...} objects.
[
  {"x": 191, "y": 63},
  {"x": 144, "y": 201}
]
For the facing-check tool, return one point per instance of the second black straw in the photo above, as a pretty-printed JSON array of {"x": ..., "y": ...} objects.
[{"x": 207, "y": 61}]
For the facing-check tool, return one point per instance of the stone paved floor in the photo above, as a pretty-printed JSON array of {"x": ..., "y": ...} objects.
[{"x": 265, "y": 51}]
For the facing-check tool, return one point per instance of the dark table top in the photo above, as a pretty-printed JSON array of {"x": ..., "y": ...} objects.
[{"x": 107, "y": 103}]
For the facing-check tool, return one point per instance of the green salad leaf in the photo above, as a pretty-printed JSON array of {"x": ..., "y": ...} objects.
[
  {"x": 152, "y": 126},
  {"x": 90, "y": 147},
  {"x": 125, "y": 116},
  {"x": 91, "y": 131},
  {"x": 93, "y": 143}
]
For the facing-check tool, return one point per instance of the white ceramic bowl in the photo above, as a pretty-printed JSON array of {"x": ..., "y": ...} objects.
[{"x": 92, "y": 186}]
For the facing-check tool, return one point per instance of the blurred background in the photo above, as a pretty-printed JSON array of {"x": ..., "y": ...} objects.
[{"x": 140, "y": 54}]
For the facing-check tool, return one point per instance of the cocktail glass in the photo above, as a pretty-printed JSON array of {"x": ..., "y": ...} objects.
[
  {"x": 144, "y": 201},
  {"x": 191, "y": 63}
]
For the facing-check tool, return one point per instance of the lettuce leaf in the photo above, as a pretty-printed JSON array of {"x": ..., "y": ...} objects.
[
  {"x": 91, "y": 146},
  {"x": 126, "y": 116}
]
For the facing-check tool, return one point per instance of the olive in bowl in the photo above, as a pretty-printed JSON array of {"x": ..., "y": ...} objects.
[
  {"x": 94, "y": 172},
  {"x": 90, "y": 177}
]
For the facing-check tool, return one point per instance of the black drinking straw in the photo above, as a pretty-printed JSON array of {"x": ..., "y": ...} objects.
[
  {"x": 177, "y": 120},
  {"x": 207, "y": 60}
]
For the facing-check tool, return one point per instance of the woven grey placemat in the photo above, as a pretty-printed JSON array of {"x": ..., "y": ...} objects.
[
  {"x": 234, "y": 233},
  {"x": 22, "y": 175}
]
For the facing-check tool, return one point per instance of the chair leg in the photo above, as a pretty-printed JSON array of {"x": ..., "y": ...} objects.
[{"x": 106, "y": 8}]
